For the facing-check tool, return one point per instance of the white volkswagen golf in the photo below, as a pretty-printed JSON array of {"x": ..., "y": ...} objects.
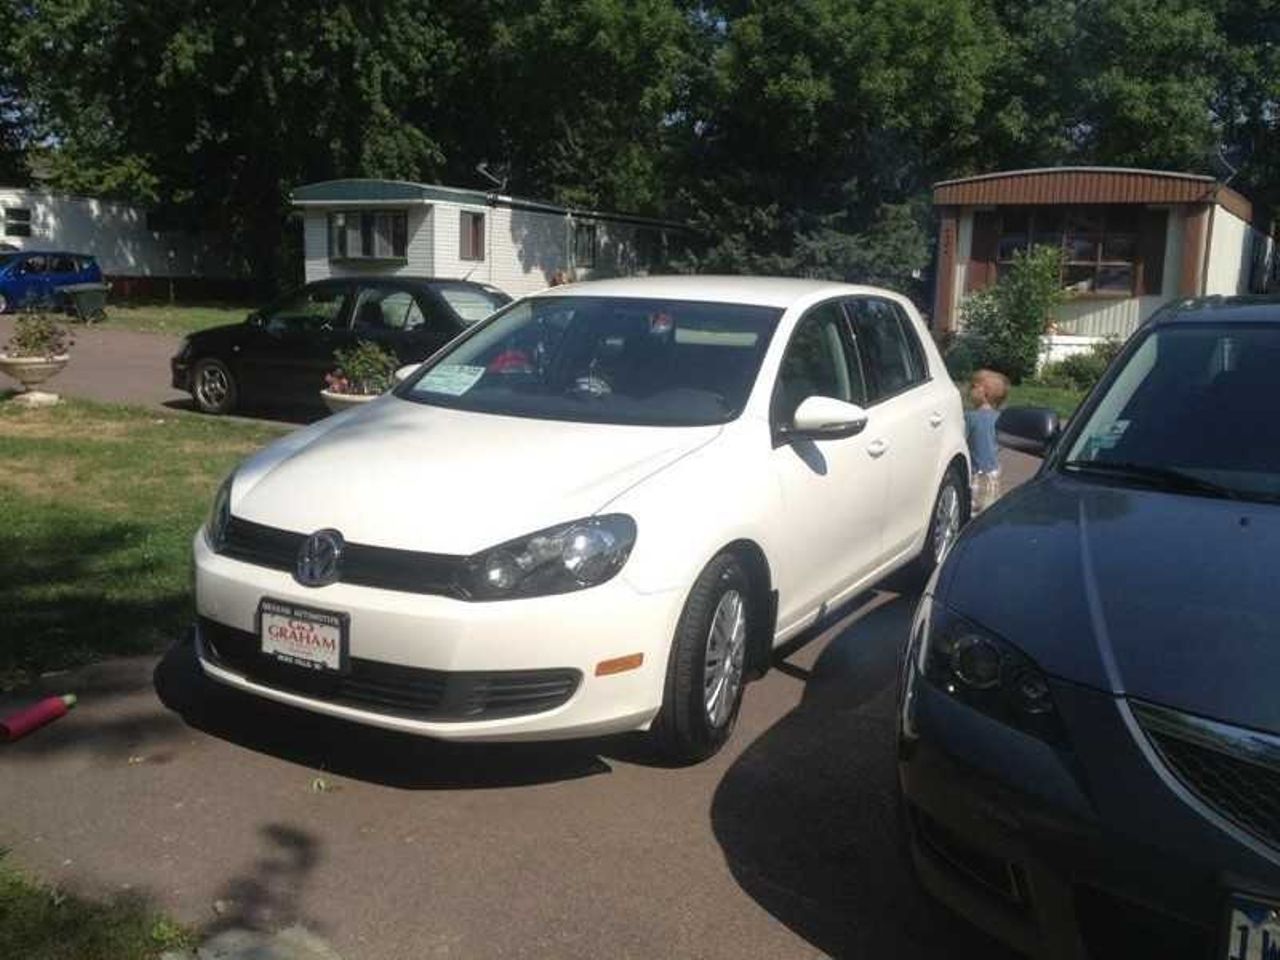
[{"x": 599, "y": 510}]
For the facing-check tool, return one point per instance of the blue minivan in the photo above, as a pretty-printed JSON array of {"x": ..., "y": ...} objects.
[{"x": 36, "y": 276}]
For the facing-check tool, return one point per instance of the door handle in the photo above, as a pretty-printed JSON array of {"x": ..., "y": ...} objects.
[
  {"x": 877, "y": 448},
  {"x": 935, "y": 419}
]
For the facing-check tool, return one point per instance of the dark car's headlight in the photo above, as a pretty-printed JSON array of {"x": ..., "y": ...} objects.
[
  {"x": 987, "y": 673},
  {"x": 558, "y": 560},
  {"x": 184, "y": 349},
  {"x": 215, "y": 528}
]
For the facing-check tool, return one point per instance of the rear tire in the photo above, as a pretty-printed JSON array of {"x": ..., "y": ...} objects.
[
  {"x": 707, "y": 666},
  {"x": 213, "y": 387},
  {"x": 950, "y": 513}
]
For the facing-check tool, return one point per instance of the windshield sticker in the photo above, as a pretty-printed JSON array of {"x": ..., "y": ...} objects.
[{"x": 453, "y": 379}]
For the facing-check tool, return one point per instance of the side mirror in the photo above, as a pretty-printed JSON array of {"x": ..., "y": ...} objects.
[
  {"x": 254, "y": 319},
  {"x": 1028, "y": 429},
  {"x": 826, "y": 418},
  {"x": 405, "y": 372}
]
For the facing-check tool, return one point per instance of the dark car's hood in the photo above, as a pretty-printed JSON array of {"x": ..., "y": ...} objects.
[{"x": 1166, "y": 597}]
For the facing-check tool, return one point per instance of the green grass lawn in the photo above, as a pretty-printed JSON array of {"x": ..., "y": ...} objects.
[
  {"x": 99, "y": 506},
  {"x": 1061, "y": 399},
  {"x": 172, "y": 318},
  {"x": 39, "y": 922}
]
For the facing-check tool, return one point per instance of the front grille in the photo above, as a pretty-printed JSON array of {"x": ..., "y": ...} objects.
[
  {"x": 1113, "y": 926},
  {"x": 409, "y": 571},
  {"x": 1232, "y": 770},
  {"x": 397, "y": 690}
]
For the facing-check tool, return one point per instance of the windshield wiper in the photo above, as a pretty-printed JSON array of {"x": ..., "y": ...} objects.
[{"x": 1169, "y": 478}]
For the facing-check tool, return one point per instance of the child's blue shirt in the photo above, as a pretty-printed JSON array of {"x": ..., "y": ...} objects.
[{"x": 980, "y": 431}]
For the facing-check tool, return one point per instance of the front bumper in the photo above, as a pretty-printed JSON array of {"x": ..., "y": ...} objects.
[
  {"x": 455, "y": 642},
  {"x": 180, "y": 374},
  {"x": 1090, "y": 851}
]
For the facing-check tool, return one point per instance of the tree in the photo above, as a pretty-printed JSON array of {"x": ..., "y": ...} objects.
[{"x": 1004, "y": 324}]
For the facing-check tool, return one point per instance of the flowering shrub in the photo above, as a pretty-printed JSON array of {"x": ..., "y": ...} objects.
[
  {"x": 37, "y": 335},
  {"x": 365, "y": 368}
]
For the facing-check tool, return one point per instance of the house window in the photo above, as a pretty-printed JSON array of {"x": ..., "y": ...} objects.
[
  {"x": 1099, "y": 244},
  {"x": 368, "y": 235},
  {"x": 471, "y": 236},
  {"x": 17, "y": 221},
  {"x": 584, "y": 245}
]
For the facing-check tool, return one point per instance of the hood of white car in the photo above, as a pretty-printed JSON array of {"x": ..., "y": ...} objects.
[{"x": 416, "y": 477}]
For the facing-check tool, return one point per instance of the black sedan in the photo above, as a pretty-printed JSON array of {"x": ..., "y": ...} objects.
[
  {"x": 1089, "y": 723},
  {"x": 280, "y": 355}
]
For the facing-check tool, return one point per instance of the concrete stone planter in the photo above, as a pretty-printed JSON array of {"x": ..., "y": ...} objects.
[
  {"x": 30, "y": 371},
  {"x": 337, "y": 402}
]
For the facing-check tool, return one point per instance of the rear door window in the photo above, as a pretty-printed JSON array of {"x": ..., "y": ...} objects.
[{"x": 892, "y": 355}]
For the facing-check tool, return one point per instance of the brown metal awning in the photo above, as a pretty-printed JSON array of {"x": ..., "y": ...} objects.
[{"x": 1089, "y": 185}]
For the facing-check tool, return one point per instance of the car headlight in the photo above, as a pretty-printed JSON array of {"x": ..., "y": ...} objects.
[
  {"x": 571, "y": 557},
  {"x": 987, "y": 673},
  {"x": 215, "y": 528}
]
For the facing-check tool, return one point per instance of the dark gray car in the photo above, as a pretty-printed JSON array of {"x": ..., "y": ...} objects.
[{"x": 1089, "y": 725}]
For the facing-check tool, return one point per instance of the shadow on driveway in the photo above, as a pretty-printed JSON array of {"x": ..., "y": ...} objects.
[
  {"x": 807, "y": 815},
  {"x": 327, "y": 744}
]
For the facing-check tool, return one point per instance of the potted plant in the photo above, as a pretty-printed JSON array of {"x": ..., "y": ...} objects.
[
  {"x": 38, "y": 350},
  {"x": 363, "y": 372}
]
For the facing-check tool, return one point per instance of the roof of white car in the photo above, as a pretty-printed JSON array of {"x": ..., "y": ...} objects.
[{"x": 761, "y": 291}]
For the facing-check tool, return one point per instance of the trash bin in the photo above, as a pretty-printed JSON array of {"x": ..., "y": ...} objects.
[{"x": 87, "y": 302}]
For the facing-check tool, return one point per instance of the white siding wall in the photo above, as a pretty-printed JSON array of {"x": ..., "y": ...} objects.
[
  {"x": 1230, "y": 254},
  {"x": 419, "y": 252},
  {"x": 117, "y": 235}
]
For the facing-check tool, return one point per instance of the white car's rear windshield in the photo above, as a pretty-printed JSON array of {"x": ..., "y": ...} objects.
[{"x": 604, "y": 360}]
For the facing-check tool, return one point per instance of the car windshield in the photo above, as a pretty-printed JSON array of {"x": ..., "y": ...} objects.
[
  {"x": 604, "y": 360},
  {"x": 473, "y": 304},
  {"x": 6, "y": 259},
  {"x": 1195, "y": 408}
]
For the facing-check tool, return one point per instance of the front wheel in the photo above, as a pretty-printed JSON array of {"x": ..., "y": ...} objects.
[
  {"x": 213, "y": 387},
  {"x": 707, "y": 667},
  {"x": 950, "y": 514}
]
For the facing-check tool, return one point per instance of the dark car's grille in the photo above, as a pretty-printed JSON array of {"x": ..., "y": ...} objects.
[
  {"x": 394, "y": 689},
  {"x": 406, "y": 570},
  {"x": 1233, "y": 770}
]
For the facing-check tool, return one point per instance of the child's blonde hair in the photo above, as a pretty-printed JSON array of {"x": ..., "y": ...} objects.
[{"x": 995, "y": 386}]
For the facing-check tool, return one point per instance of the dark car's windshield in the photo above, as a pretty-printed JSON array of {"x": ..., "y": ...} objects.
[
  {"x": 604, "y": 360},
  {"x": 1196, "y": 408},
  {"x": 6, "y": 259}
]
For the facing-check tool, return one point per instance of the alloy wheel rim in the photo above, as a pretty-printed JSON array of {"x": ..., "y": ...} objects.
[
  {"x": 212, "y": 386},
  {"x": 946, "y": 522},
  {"x": 726, "y": 656}
]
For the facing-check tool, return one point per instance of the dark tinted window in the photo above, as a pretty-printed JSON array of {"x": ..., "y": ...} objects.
[
  {"x": 1200, "y": 399},
  {"x": 308, "y": 309},
  {"x": 63, "y": 264},
  {"x": 893, "y": 362},
  {"x": 381, "y": 307},
  {"x": 604, "y": 360},
  {"x": 34, "y": 265}
]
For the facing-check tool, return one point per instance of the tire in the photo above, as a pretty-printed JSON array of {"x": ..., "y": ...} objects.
[
  {"x": 707, "y": 667},
  {"x": 213, "y": 387},
  {"x": 950, "y": 508}
]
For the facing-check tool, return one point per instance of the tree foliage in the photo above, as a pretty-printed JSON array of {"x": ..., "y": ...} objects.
[{"x": 798, "y": 136}]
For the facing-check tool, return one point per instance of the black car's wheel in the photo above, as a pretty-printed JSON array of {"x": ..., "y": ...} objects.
[
  {"x": 950, "y": 514},
  {"x": 706, "y": 671},
  {"x": 213, "y": 387}
]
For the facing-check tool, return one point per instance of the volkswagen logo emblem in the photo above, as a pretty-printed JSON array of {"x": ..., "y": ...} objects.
[{"x": 319, "y": 559}]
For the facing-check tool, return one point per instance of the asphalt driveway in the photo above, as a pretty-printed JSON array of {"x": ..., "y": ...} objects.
[{"x": 229, "y": 811}]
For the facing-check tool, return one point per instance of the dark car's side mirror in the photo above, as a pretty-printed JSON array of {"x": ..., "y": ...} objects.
[
  {"x": 1028, "y": 429},
  {"x": 254, "y": 319}
]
